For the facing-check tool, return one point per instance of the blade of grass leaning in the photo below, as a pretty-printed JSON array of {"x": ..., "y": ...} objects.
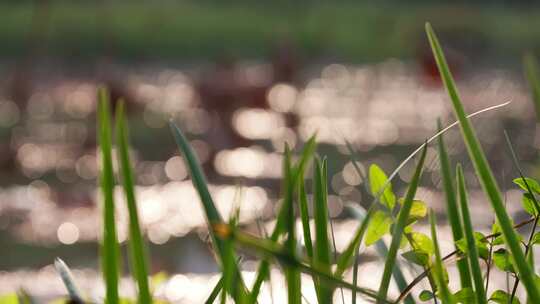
[
  {"x": 264, "y": 267},
  {"x": 322, "y": 251},
  {"x": 211, "y": 212},
  {"x": 137, "y": 249},
  {"x": 452, "y": 208},
  {"x": 472, "y": 255},
  {"x": 346, "y": 258},
  {"x": 110, "y": 251},
  {"x": 215, "y": 292},
  {"x": 485, "y": 175},
  {"x": 292, "y": 275},
  {"x": 67, "y": 278},
  {"x": 532, "y": 74},
  {"x": 304, "y": 215},
  {"x": 397, "y": 233},
  {"x": 443, "y": 291},
  {"x": 380, "y": 246},
  {"x": 271, "y": 249}
]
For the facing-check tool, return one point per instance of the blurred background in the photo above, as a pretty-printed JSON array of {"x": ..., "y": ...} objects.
[{"x": 241, "y": 78}]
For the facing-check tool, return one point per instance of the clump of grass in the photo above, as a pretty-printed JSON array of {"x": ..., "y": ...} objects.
[{"x": 388, "y": 215}]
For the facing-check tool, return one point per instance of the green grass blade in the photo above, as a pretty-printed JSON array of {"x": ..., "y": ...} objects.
[
  {"x": 322, "y": 251},
  {"x": 292, "y": 274},
  {"x": 110, "y": 250},
  {"x": 485, "y": 175},
  {"x": 452, "y": 208},
  {"x": 67, "y": 278},
  {"x": 304, "y": 215},
  {"x": 472, "y": 256},
  {"x": 397, "y": 233},
  {"x": 264, "y": 267},
  {"x": 137, "y": 248},
  {"x": 211, "y": 212},
  {"x": 532, "y": 74},
  {"x": 215, "y": 292},
  {"x": 444, "y": 292},
  {"x": 346, "y": 258}
]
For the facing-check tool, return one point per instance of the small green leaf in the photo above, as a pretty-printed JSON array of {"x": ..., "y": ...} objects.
[
  {"x": 481, "y": 245},
  {"x": 417, "y": 257},
  {"x": 377, "y": 181},
  {"x": 465, "y": 296},
  {"x": 426, "y": 295},
  {"x": 379, "y": 226},
  {"x": 528, "y": 204},
  {"x": 502, "y": 260},
  {"x": 528, "y": 181},
  {"x": 501, "y": 297},
  {"x": 536, "y": 239},
  {"x": 422, "y": 242}
]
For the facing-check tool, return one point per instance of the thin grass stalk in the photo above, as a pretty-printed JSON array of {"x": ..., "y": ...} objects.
[
  {"x": 485, "y": 175},
  {"x": 110, "y": 251},
  {"x": 321, "y": 254},
  {"x": 292, "y": 275},
  {"x": 304, "y": 216},
  {"x": 452, "y": 208},
  {"x": 137, "y": 249},
  {"x": 215, "y": 292},
  {"x": 472, "y": 255},
  {"x": 397, "y": 233},
  {"x": 444, "y": 292}
]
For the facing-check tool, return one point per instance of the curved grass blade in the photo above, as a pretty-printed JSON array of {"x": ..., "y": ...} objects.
[
  {"x": 110, "y": 251},
  {"x": 452, "y": 209},
  {"x": 212, "y": 214},
  {"x": 472, "y": 255},
  {"x": 532, "y": 74},
  {"x": 322, "y": 251},
  {"x": 137, "y": 250},
  {"x": 397, "y": 233},
  {"x": 444, "y": 292},
  {"x": 485, "y": 175},
  {"x": 73, "y": 291}
]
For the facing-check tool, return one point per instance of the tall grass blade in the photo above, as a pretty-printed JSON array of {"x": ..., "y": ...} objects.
[
  {"x": 322, "y": 251},
  {"x": 397, "y": 233},
  {"x": 212, "y": 214},
  {"x": 292, "y": 274},
  {"x": 110, "y": 251},
  {"x": 67, "y": 278},
  {"x": 264, "y": 267},
  {"x": 472, "y": 255},
  {"x": 304, "y": 215},
  {"x": 452, "y": 208},
  {"x": 137, "y": 248},
  {"x": 484, "y": 172},
  {"x": 444, "y": 292},
  {"x": 532, "y": 74}
]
